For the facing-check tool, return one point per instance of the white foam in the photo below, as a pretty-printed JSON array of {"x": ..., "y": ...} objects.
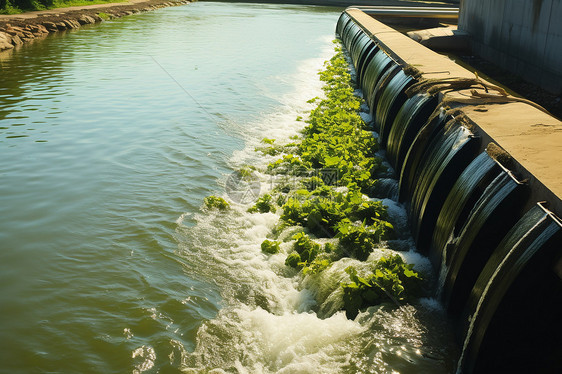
[
  {"x": 145, "y": 356},
  {"x": 366, "y": 117},
  {"x": 282, "y": 124},
  {"x": 432, "y": 304},
  {"x": 258, "y": 341},
  {"x": 273, "y": 318}
]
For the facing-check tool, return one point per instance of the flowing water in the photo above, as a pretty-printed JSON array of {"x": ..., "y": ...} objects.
[{"x": 110, "y": 138}]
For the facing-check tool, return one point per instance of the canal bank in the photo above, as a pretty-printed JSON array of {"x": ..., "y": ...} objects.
[{"x": 19, "y": 29}]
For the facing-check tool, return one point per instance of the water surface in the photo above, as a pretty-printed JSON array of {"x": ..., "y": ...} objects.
[{"x": 110, "y": 138}]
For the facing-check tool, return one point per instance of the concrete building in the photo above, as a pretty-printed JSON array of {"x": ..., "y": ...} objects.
[{"x": 522, "y": 36}]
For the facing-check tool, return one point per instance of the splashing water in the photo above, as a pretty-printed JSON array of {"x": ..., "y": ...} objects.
[{"x": 275, "y": 319}]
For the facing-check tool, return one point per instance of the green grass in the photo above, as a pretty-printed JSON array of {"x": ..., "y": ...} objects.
[
  {"x": 13, "y": 7},
  {"x": 10, "y": 10},
  {"x": 68, "y": 3}
]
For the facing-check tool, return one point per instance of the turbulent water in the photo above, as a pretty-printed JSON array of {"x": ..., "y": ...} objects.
[{"x": 110, "y": 138}]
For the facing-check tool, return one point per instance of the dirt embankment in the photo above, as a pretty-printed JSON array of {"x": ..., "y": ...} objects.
[{"x": 18, "y": 29}]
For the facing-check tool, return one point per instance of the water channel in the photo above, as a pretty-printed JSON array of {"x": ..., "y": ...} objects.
[{"x": 110, "y": 138}]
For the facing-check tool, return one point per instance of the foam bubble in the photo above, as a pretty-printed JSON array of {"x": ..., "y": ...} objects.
[
  {"x": 258, "y": 341},
  {"x": 145, "y": 356},
  {"x": 432, "y": 304}
]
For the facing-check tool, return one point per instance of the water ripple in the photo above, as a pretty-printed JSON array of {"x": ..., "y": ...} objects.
[{"x": 102, "y": 150}]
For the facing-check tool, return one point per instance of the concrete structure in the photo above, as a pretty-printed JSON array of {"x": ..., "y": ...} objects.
[
  {"x": 493, "y": 235},
  {"x": 522, "y": 36},
  {"x": 532, "y": 137}
]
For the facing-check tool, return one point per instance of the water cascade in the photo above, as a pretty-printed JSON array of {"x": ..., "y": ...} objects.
[
  {"x": 407, "y": 123},
  {"x": 526, "y": 264},
  {"x": 491, "y": 216},
  {"x": 441, "y": 163},
  {"x": 488, "y": 225}
]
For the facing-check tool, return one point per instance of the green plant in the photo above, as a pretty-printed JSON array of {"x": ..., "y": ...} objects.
[
  {"x": 323, "y": 209},
  {"x": 271, "y": 247},
  {"x": 104, "y": 16},
  {"x": 6, "y": 7},
  {"x": 359, "y": 239},
  {"x": 246, "y": 171},
  {"x": 17, "y": 6},
  {"x": 329, "y": 248},
  {"x": 391, "y": 280},
  {"x": 317, "y": 214},
  {"x": 337, "y": 150},
  {"x": 215, "y": 202},
  {"x": 312, "y": 183},
  {"x": 24, "y": 4},
  {"x": 270, "y": 151},
  {"x": 305, "y": 251},
  {"x": 288, "y": 163},
  {"x": 294, "y": 260},
  {"x": 336, "y": 138},
  {"x": 263, "y": 205},
  {"x": 316, "y": 266}
]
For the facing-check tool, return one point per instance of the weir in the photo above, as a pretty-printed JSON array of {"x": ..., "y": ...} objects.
[{"x": 479, "y": 175}]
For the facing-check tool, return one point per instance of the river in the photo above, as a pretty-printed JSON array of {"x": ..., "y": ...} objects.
[{"x": 110, "y": 138}]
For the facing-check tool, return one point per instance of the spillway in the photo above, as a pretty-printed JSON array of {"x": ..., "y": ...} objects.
[{"x": 482, "y": 193}]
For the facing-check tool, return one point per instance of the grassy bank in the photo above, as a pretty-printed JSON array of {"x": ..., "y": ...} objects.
[{"x": 20, "y": 6}]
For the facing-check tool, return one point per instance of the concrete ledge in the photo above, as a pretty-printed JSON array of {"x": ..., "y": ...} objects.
[
  {"x": 442, "y": 39},
  {"x": 408, "y": 52},
  {"x": 532, "y": 137}
]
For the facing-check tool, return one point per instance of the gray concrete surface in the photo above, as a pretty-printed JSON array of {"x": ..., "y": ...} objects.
[{"x": 522, "y": 36}]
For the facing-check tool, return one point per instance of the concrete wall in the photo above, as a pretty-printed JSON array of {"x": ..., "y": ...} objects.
[{"x": 522, "y": 36}]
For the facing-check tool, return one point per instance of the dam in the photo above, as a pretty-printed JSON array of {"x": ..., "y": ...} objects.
[{"x": 483, "y": 196}]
